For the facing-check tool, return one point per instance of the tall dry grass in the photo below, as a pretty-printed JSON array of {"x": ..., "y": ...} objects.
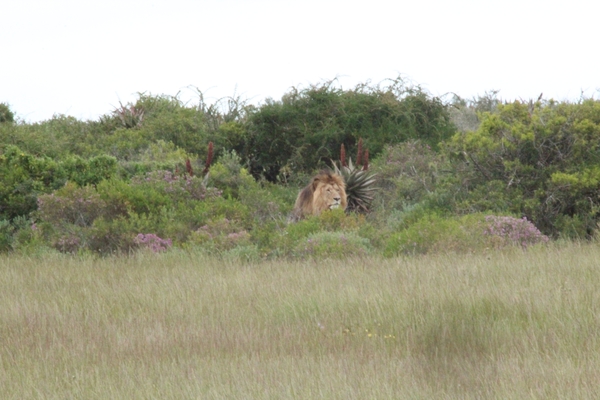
[{"x": 503, "y": 325}]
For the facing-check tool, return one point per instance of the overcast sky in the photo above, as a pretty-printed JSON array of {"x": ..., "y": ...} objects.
[{"x": 81, "y": 57}]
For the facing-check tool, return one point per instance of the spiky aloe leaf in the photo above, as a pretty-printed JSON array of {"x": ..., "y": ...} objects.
[{"x": 360, "y": 186}]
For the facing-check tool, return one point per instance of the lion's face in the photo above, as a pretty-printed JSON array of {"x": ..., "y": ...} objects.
[
  {"x": 326, "y": 191},
  {"x": 328, "y": 196}
]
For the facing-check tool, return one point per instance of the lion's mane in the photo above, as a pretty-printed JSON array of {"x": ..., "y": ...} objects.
[{"x": 325, "y": 191}]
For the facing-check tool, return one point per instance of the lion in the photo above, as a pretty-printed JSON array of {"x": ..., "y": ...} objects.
[{"x": 325, "y": 191}]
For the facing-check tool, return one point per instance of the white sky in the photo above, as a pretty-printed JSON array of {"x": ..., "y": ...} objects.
[{"x": 81, "y": 57}]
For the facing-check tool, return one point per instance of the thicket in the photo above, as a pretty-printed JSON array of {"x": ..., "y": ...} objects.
[
  {"x": 538, "y": 159},
  {"x": 304, "y": 130},
  {"x": 449, "y": 176}
]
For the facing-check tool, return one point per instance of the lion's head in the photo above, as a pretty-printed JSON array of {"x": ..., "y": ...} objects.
[{"x": 325, "y": 191}]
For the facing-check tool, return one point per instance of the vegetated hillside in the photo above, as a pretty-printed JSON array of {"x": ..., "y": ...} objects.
[{"x": 445, "y": 173}]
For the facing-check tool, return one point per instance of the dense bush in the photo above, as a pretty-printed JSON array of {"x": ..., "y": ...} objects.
[
  {"x": 22, "y": 178},
  {"x": 540, "y": 160},
  {"x": 304, "y": 130},
  {"x": 335, "y": 245},
  {"x": 408, "y": 173},
  {"x": 6, "y": 115}
]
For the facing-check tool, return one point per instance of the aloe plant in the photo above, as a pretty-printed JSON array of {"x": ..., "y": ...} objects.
[
  {"x": 360, "y": 182},
  {"x": 130, "y": 115}
]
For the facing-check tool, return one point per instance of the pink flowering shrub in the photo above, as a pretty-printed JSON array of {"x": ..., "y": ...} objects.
[
  {"x": 152, "y": 242},
  {"x": 512, "y": 231},
  {"x": 68, "y": 244}
]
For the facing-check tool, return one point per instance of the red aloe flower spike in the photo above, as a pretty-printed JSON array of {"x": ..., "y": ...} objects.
[
  {"x": 359, "y": 152},
  {"x": 188, "y": 167},
  {"x": 343, "y": 155},
  {"x": 366, "y": 160},
  {"x": 209, "y": 158}
]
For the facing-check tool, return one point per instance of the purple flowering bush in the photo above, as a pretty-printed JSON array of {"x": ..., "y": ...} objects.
[
  {"x": 69, "y": 243},
  {"x": 152, "y": 242},
  {"x": 505, "y": 231}
]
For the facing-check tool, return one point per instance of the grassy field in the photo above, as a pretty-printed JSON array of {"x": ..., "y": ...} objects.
[{"x": 504, "y": 325}]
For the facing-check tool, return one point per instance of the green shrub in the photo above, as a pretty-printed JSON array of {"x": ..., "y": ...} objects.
[
  {"x": 167, "y": 118},
  {"x": 6, "y": 232},
  {"x": 57, "y": 138},
  {"x": 268, "y": 202},
  {"x": 90, "y": 172},
  {"x": 304, "y": 130},
  {"x": 473, "y": 232},
  {"x": 108, "y": 236},
  {"x": 407, "y": 173},
  {"x": 295, "y": 234},
  {"x": 220, "y": 235},
  {"x": 22, "y": 178},
  {"x": 434, "y": 233},
  {"x": 107, "y": 218},
  {"x": 71, "y": 205},
  {"x": 6, "y": 115},
  {"x": 335, "y": 245},
  {"x": 538, "y": 159},
  {"x": 243, "y": 253},
  {"x": 28, "y": 236},
  {"x": 229, "y": 176}
]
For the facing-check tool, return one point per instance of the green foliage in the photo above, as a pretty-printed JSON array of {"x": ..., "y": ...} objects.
[
  {"x": 91, "y": 171},
  {"x": 19, "y": 233},
  {"x": 57, "y": 137},
  {"x": 231, "y": 136},
  {"x": 333, "y": 245},
  {"x": 108, "y": 217},
  {"x": 167, "y": 118},
  {"x": 229, "y": 176},
  {"x": 407, "y": 173},
  {"x": 71, "y": 204},
  {"x": 220, "y": 235},
  {"x": 290, "y": 240},
  {"x": 6, "y": 231},
  {"x": 434, "y": 233},
  {"x": 304, "y": 130},
  {"x": 539, "y": 159},
  {"x": 6, "y": 115},
  {"x": 22, "y": 178}
]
